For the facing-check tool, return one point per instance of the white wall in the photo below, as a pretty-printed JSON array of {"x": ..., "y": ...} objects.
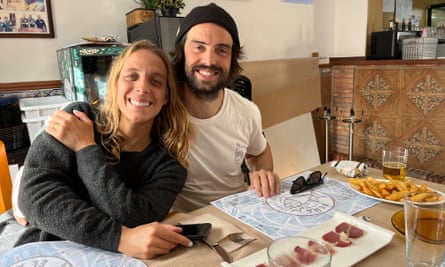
[
  {"x": 351, "y": 17},
  {"x": 269, "y": 29}
]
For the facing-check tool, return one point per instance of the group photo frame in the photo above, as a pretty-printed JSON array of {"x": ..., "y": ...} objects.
[{"x": 26, "y": 19}]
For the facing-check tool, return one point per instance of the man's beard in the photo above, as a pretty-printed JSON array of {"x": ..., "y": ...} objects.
[{"x": 203, "y": 89}]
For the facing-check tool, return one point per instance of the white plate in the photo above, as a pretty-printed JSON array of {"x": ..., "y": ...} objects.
[
  {"x": 376, "y": 198},
  {"x": 375, "y": 237},
  {"x": 106, "y": 39},
  {"x": 383, "y": 199}
]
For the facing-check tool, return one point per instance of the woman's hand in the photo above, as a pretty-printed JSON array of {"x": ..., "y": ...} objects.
[
  {"x": 19, "y": 217},
  {"x": 75, "y": 131},
  {"x": 149, "y": 240}
]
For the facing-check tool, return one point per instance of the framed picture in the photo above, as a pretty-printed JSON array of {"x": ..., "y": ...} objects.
[{"x": 26, "y": 19}]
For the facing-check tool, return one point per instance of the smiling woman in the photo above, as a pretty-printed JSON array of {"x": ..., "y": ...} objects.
[{"x": 115, "y": 161}]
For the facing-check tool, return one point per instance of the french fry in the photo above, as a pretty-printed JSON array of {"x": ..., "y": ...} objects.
[
  {"x": 366, "y": 189},
  {"x": 381, "y": 186},
  {"x": 373, "y": 189},
  {"x": 423, "y": 188},
  {"x": 396, "y": 196},
  {"x": 392, "y": 189},
  {"x": 433, "y": 198},
  {"x": 390, "y": 186},
  {"x": 385, "y": 193},
  {"x": 399, "y": 185},
  {"x": 420, "y": 197}
]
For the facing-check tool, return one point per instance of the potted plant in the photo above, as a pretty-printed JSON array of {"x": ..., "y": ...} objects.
[
  {"x": 146, "y": 12},
  {"x": 170, "y": 8},
  {"x": 147, "y": 4}
]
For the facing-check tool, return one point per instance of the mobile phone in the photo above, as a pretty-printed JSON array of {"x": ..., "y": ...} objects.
[{"x": 195, "y": 231}]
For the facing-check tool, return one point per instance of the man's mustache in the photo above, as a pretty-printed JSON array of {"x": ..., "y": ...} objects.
[{"x": 211, "y": 67}]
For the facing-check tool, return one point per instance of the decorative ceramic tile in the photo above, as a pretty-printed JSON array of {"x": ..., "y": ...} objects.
[
  {"x": 374, "y": 137},
  {"x": 424, "y": 145},
  {"x": 376, "y": 91},
  {"x": 426, "y": 94}
]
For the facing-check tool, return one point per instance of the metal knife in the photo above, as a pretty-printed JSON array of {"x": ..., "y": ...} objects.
[{"x": 220, "y": 250}]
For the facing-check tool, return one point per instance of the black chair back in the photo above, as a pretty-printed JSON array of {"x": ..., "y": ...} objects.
[{"x": 243, "y": 86}]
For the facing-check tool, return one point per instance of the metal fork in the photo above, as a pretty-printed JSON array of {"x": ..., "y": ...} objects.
[
  {"x": 240, "y": 240},
  {"x": 220, "y": 250}
]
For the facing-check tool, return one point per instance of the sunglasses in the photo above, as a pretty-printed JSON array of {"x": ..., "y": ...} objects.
[{"x": 301, "y": 184}]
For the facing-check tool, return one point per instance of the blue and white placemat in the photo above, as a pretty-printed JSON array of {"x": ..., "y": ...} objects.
[
  {"x": 289, "y": 214},
  {"x": 64, "y": 254}
]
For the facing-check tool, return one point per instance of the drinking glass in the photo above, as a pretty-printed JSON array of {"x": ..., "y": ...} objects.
[
  {"x": 297, "y": 251},
  {"x": 394, "y": 161},
  {"x": 425, "y": 229}
]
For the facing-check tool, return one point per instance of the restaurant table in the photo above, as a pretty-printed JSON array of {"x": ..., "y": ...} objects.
[{"x": 393, "y": 254}]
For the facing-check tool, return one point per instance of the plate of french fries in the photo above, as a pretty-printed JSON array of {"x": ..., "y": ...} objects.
[{"x": 391, "y": 191}]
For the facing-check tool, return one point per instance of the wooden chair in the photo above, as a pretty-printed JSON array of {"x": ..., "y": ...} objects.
[{"x": 5, "y": 180}]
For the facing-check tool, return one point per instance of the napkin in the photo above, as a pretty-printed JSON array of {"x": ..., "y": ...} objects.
[
  {"x": 350, "y": 168},
  {"x": 228, "y": 236}
]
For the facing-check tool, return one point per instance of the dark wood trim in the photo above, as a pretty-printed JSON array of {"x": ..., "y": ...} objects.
[
  {"x": 35, "y": 85},
  {"x": 362, "y": 61}
]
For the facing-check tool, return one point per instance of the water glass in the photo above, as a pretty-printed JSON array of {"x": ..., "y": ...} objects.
[{"x": 425, "y": 229}]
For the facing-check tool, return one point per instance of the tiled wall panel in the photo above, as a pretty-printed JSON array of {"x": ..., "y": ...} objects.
[{"x": 399, "y": 105}]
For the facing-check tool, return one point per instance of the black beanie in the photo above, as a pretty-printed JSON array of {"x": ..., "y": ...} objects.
[{"x": 210, "y": 13}]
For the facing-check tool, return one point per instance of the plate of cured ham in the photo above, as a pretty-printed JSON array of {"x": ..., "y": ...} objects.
[{"x": 349, "y": 239}]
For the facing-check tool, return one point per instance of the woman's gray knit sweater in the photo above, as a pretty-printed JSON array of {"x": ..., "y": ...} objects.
[{"x": 83, "y": 198}]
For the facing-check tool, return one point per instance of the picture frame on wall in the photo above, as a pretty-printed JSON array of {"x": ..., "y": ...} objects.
[{"x": 26, "y": 19}]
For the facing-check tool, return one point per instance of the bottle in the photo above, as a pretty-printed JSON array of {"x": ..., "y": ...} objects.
[
  {"x": 391, "y": 25},
  {"x": 424, "y": 32},
  {"x": 403, "y": 25},
  {"x": 410, "y": 24}
]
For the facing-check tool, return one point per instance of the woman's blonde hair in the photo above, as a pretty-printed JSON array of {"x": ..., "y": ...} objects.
[{"x": 171, "y": 126}]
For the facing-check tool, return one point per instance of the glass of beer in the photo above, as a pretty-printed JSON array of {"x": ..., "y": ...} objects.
[
  {"x": 425, "y": 229},
  {"x": 394, "y": 162}
]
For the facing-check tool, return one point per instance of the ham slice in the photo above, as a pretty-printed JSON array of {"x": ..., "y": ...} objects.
[
  {"x": 350, "y": 230},
  {"x": 342, "y": 234},
  {"x": 337, "y": 239},
  {"x": 314, "y": 246},
  {"x": 305, "y": 256}
]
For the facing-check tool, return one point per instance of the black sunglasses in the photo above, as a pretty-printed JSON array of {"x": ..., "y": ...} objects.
[{"x": 301, "y": 184}]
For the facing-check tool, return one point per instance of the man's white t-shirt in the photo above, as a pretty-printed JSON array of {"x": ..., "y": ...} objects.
[{"x": 218, "y": 150}]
